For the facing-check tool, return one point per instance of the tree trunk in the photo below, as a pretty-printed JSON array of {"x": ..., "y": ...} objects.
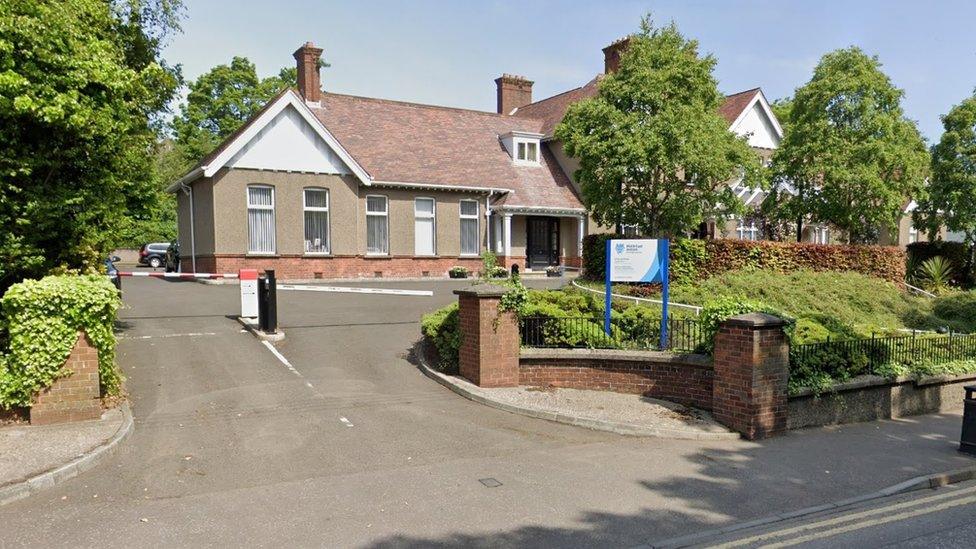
[{"x": 799, "y": 229}]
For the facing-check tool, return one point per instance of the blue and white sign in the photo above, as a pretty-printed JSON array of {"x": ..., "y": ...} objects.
[{"x": 638, "y": 261}]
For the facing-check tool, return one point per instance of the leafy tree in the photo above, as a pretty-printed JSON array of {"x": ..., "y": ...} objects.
[
  {"x": 652, "y": 148},
  {"x": 221, "y": 100},
  {"x": 781, "y": 108},
  {"x": 849, "y": 152},
  {"x": 80, "y": 83},
  {"x": 951, "y": 193}
]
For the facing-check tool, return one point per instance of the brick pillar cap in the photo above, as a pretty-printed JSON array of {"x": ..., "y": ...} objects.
[
  {"x": 483, "y": 290},
  {"x": 756, "y": 320}
]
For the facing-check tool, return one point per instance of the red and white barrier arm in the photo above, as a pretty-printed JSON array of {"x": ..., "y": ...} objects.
[{"x": 154, "y": 274}]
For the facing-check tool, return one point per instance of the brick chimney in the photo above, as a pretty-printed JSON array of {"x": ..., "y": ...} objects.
[
  {"x": 309, "y": 86},
  {"x": 513, "y": 92},
  {"x": 611, "y": 55}
]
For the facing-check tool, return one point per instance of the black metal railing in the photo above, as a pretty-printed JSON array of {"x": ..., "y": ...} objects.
[
  {"x": 864, "y": 356},
  {"x": 684, "y": 335}
]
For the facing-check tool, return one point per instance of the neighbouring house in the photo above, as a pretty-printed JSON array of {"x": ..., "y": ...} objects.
[{"x": 326, "y": 185}]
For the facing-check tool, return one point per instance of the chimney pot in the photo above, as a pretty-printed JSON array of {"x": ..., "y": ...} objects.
[
  {"x": 309, "y": 84},
  {"x": 611, "y": 54},
  {"x": 513, "y": 92}
]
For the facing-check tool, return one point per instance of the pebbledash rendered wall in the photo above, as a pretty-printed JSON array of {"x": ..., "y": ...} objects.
[{"x": 220, "y": 229}]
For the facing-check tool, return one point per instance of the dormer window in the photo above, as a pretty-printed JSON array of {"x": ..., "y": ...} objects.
[
  {"x": 523, "y": 147},
  {"x": 528, "y": 151}
]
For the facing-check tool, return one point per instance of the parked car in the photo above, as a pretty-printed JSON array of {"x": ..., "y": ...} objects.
[
  {"x": 173, "y": 258},
  {"x": 154, "y": 254}
]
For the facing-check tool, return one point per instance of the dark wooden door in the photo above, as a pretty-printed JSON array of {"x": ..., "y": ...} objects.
[{"x": 542, "y": 242}]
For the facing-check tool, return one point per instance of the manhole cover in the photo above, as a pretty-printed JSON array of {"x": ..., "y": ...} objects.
[{"x": 489, "y": 482}]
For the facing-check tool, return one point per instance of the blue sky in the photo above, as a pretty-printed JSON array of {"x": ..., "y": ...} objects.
[{"x": 449, "y": 52}]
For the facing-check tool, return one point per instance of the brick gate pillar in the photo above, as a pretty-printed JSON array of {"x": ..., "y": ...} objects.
[
  {"x": 489, "y": 353},
  {"x": 751, "y": 362},
  {"x": 75, "y": 396}
]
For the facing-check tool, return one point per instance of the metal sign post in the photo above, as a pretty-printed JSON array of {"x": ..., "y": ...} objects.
[{"x": 638, "y": 261}]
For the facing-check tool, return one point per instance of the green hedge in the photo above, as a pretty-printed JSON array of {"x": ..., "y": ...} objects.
[
  {"x": 957, "y": 253},
  {"x": 444, "y": 331},
  {"x": 43, "y": 318},
  {"x": 693, "y": 260}
]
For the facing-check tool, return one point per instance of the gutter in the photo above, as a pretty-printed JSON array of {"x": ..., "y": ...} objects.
[
  {"x": 437, "y": 186},
  {"x": 181, "y": 182}
]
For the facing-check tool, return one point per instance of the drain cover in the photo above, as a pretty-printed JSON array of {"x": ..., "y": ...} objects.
[{"x": 489, "y": 482}]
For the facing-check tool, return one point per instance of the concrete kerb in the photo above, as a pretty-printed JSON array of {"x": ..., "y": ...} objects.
[
  {"x": 932, "y": 481},
  {"x": 89, "y": 460},
  {"x": 627, "y": 429},
  {"x": 251, "y": 325}
]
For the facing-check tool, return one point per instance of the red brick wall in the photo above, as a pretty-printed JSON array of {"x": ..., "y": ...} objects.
[
  {"x": 686, "y": 383},
  {"x": 751, "y": 376},
  {"x": 489, "y": 351},
  {"x": 74, "y": 397},
  {"x": 302, "y": 267}
]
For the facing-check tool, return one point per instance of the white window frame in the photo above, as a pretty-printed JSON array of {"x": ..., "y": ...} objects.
[
  {"x": 274, "y": 219},
  {"x": 424, "y": 215},
  {"x": 912, "y": 234},
  {"x": 522, "y": 145},
  {"x": 752, "y": 230},
  {"x": 328, "y": 216},
  {"x": 821, "y": 235},
  {"x": 385, "y": 213},
  {"x": 477, "y": 220}
]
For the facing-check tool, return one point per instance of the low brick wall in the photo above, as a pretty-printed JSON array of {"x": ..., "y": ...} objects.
[
  {"x": 352, "y": 266},
  {"x": 870, "y": 398},
  {"x": 686, "y": 379},
  {"x": 74, "y": 397}
]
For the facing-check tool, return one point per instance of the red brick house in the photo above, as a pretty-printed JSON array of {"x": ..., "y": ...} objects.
[{"x": 326, "y": 185}]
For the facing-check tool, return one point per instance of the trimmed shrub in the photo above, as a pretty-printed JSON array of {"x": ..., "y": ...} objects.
[
  {"x": 444, "y": 331},
  {"x": 43, "y": 318},
  {"x": 717, "y": 311},
  {"x": 692, "y": 260},
  {"x": 885, "y": 262},
  {"x": 955, "y": 252}
]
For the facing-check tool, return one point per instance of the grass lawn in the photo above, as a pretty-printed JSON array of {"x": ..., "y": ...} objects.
[{"x": 842, "y": 305}]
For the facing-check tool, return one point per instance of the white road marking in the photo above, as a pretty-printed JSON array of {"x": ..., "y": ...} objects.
[
  {"x": 190, "y": 334},
  {"x": 343, "y": 289},
  {"x": 281, "y": 358}
]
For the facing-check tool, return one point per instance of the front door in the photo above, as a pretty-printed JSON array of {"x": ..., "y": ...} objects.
[{"x": 542, "y": 242}]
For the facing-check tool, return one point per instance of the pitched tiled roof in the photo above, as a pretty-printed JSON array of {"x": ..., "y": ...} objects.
[
  {"x": 552, "y": 109},
  {"x": 736, "y": 103},
  {"x": 410, "y": 143}
]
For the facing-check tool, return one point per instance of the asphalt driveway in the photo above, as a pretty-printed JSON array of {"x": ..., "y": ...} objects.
[{"x": 348, "y": 444}]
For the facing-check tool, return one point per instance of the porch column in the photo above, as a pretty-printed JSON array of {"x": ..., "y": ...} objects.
[
  {"x": 581, "y": 221},
  {"x": 507, "y": 236}
]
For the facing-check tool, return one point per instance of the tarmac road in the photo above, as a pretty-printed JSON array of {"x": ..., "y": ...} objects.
[{"x": 349, "y": 444}]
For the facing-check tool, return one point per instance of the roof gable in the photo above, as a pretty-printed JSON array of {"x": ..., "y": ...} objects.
[
  {"x": 245, "y": 135},
  {"x": 288, "y": 143},
  {"x": 755, "y": 120}
]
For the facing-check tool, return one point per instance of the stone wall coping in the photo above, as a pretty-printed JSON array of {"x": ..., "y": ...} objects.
[
  {"x": 867, "y": 381},
  {"x": 483, "y": 290},
  {"x": 756, "y": 320},
  {"x": 614, "y": 355}
]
